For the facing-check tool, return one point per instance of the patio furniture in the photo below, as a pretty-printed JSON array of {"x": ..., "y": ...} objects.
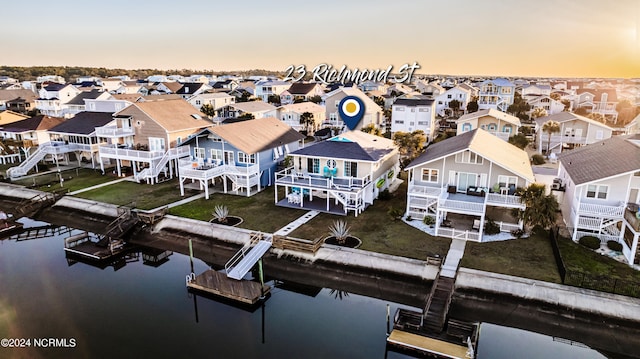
[
  {"x": 476, "y": 191},
  {"x": 476, "y": 224},
  {"x": 451, "y": 189},
  {"x": 446, "y": 223}
]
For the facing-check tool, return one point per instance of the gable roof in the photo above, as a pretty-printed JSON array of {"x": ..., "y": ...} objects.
[
  {"x": 413, "y": 101},
  {"x": 568, "y": 116},
  {"x": 131, "y": 97},
  {"x": 352, "y": 145},
  {"x": 599, "y": 160},
  {"x": 40, "y": 122},
  {"x": 298, "y": 88},
  {"x": 6, "y": 95},
  {"x": 499, "y": 82},
  {"x": 253, "y": 106},
  {"x": 8, "y": 116},
  {"x": 490, "y": 112},
  {"x": 302, "y": 107},
  {"x": 612, "y": 95},
  {"x": 484, "y": 144},
  {"x": 253, "y": 136},
  {"x": 173, "y": 86},
  {"x": 90, "y": 95},
  {"x": 52, "y": 86},
  {"x": 83, "y": 123},
  {"x": 369, "y": 105},
  {"x": 189, "y": 88},
  {"x": 172, "y": 115}
]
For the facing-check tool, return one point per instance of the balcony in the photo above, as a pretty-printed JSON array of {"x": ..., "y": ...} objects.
[
  {"x": 580, "y": 140},
  {"x": 504, "y": 200},
  {"x": 425, "y": 191},
  {"x": 208, "y": 170},
  {"x": 123, "y": 152},
  {"x": 601, "y": 210},
  {"x": 291, "y": 177},
  {"x": 114, "y": 132},
  {"x": 501, "y": 135}
]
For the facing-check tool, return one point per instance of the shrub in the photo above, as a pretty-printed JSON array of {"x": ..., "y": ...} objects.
[
  {"x": 491, "y": 227},
  {"x": 590, "y": 242},
  {"x": 614, "y": 246},
  {"x": 220, "y": 213},
  {"x": 537, "y": 159},
  {"x": 385, "y": 195},
  {"x": 396, "y": 213},
  {"x": 428, "y": 220},
  {"x": 340, "y": 231},
  {"x": 518, "y": 233},
  {"x": 409, "y": 218}
]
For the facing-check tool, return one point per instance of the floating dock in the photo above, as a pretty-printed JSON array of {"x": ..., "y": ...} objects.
[
  {"x": 427, "y": 345},
  {"x": 82, "y": 245},
  {"x": 218, "y": 284}
]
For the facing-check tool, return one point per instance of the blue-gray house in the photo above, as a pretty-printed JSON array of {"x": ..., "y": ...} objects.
[{"x": 242, "y": 156}]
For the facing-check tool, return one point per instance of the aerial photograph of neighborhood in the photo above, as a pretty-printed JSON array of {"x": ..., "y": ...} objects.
[{"x": 343, "y": 179}]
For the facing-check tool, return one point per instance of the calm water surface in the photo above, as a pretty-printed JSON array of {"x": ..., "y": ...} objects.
[{"x": 142, "y": 311}]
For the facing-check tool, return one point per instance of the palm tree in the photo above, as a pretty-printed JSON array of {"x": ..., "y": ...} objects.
[
  {"x": 307, "y": 120},
  {"x": 550, "y": 127},
  {"x": 538, "y": 112},
  {"x": 340, "y": 230},
  {"x": 220, "y": 213}
]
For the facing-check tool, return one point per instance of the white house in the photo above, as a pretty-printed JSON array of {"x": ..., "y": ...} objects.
[
  {"x": 258, "y": 109},
  {"x": 217, "y": 100},
  {"x": 343, "y": 174},
  {"x": 290, "y": 114},
  {"x": 300, "y": 91},
  {"x": 499, "y": 124},
  {"x": 575, "y": 131},
  {"x": 544, "y": 102},
  {"x": 372, "y": 112},
  {"x": 536, "y": 90},
  {"x": 409, "y": 114},
  {"x": 53, "y": 96},
  {"x": 602, "y": 193},
  {"x": 466, "y": 179},
  {"x": 78, "y": 103},
  {"x": 264, "y": 89},
  {"x": 496, "y": 94},
  {"x": 602, "y": 101},
  {"x": 191, "y": 89},
  {"x": 457, "y": 93},
  {"x": 430, "y": 89}
]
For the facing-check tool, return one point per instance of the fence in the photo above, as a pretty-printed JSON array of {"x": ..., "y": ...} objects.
[{"x": 580, "y": 279}]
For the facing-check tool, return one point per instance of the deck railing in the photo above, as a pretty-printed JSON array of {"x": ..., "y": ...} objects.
[
  {"x": 425, "y": 191},
  {"x": 602, "y": 210},
  {"x": 290, "y": 176},
  {"x": 459, "y": 234},
  {"x": 451, "y": 204},
  {"x": 504, "y": 200},
  {"x": 113, "y": 131},
  {"x": 191, "y": 169},
  {"x": 111, "y": 151}
]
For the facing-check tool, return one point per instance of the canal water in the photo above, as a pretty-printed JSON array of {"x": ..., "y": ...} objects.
[{"x": 142, "y": 311}]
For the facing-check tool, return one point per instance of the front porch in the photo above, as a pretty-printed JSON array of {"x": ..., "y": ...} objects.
[
  {"x": 241, "y": 179},
  {"x": 315, "y": 204},
  {"x": 327, "y": 201}
]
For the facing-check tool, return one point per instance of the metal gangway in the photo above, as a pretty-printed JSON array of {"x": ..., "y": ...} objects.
[{"x": 242, "y": 262}]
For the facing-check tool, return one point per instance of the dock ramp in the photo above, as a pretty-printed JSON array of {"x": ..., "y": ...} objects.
[{"x": 242, "y": 262}]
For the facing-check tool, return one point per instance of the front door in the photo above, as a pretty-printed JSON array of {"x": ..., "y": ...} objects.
[
  {"x": 228, "y": 158},
  {"x": 156, "y": 144},
  {"x": 465, "y": 180}
]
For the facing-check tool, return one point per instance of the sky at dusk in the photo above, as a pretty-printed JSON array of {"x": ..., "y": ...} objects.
[{"x": 574, "y": 38}]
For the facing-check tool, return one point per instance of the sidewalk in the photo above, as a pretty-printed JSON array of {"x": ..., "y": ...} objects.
[
  {"x": 98, "y": 186},
  {"x": 451, "y": 262},
  {"x": 284, "y": 231}
]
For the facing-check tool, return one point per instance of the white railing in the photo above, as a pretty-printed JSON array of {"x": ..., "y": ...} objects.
[
  {"x": 459, "y": 234},
  {"x": 111, "y": 151},
  {"x": 564, "y": 139},
  {"x": 423, "y": 203},
  {"x": 113, "y": 131},
  {"x": 508, "y": 227},
  {"x": 501, "y": 135},
  {"x": 425, "y": 191},
  {"x": 191, "y": 171},
  {"x": 451, "y": 204},
  {"x": 589, "y": 223},
  {"x": 602, "y": 210},
  {"x": 504, "y": 200},
  {"x": 292, "y": 177}
]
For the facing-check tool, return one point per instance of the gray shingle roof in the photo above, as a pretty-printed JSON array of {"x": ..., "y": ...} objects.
[
  {"x": 611, "y": 157},
  {"x": 414, "y": 102},
  {"x": 444, "y": 148},
  {"x": 352, "y": 145},
  {"x": 83, "y": 123},
  {"x": 79, "y": 99}
]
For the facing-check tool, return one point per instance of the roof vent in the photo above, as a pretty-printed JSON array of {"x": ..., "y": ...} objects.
[{"x": 196, "y": 116}]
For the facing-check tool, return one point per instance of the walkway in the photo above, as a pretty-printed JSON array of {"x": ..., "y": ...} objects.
[
  {"x": 97, "y": 186},
  {"x": 284, "y": 231},
  {"x": 451, "y": 262}
]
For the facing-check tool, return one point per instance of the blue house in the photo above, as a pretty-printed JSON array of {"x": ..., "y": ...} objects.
[{"x": 241, "y": 156}]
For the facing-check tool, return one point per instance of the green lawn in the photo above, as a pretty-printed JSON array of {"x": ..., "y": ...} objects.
[
  {"x": 581, "y": 259},
  {"x": 73, "y": 180},
  {"x": 379, "y": 232},
  {"x": 145, "y": 196},
  {"x": 528, "y": 257},
  {"x": 258, "y": 211}
]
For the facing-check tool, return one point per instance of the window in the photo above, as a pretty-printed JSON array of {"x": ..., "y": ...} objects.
[
  {"x": 430, "y": 175},
  {"x": 313, "y": 165},
  {"x": 351, "y": 169},
  {"x": 400, "y": 122},
  {"x": 449, "y": 96},
  {"x": 198, "y": 152},
  {"x": 599, "y": 135},
  {"x": 508, "y": 181},
  {"x": 198, "y": 102},
  {"x": 398, "y": 108},
  {"x": 466, "y": 127},
  {"x": 413, "y": 110},
  {"x": 331, "y": 164},
  {"x": 597, "y": 191},
  {"x": 468, "y": 157},
  {"x": 423, "y": 123},
  {"x": 245, "y": 158},
  {"x": 423, "y": 110},
  {"x": 216, "y": 155}
]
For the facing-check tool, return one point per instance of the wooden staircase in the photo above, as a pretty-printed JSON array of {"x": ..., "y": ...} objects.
[
  {"x": 437, "y": 307},
  {"x": 31, "y": 206}
]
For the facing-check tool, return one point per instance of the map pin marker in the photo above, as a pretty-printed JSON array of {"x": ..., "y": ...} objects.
[{"x": 351, "y": 110}]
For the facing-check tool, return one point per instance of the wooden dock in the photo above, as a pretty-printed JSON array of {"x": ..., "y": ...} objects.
[
  {"x": 218, "y": 284},
  {"x": 437, "y": 307},
  {"x": 426, "y": 345}
]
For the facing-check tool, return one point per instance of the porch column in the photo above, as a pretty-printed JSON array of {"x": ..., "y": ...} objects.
[
  {"x": 248, "y": 185},
  {"x": 182, "y": 186},
  {"x": 118, "y": 167},
  {"x": 224, "y": 183},
  {"x": 301, "y": 197},
  {"x": 328, "y": 203},
  {"x": 275, "y": 193},
  {"x": 101, "y": 165},
  {"x": 481, "y": 229},
  {"x": 206, "y": 189},
  {"x": 133, "y": 166},
  {"x": 634, "y": 248}
]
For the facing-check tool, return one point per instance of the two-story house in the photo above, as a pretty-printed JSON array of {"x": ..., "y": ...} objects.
[
  {"x": 342, "y": 174},
  {"x": 258, "y": 109},
  {"x": 78, "y": 103},
  {"x": 544, "y": 102},
  {"x": 52, "y": 98},
  {"x": 372, "y": 112},
  {"x": 217, "y": 100},
  {"x": 497, "y": 123},
  {"x": 24, "y": 100},
  {"x": 411, "y": 114},
  {"x": 597, "y": 101},
  {"x": 575, "y": 131},
  {"x": 191, "y": 89},
  {"x": 292, "y": 115},
  {"x": 496, "y": 94},
  {"x": 145, "y": 137},
  {"x": 29, "y": 132},
  {"x": 240, "y": 156},
  {"x": 458, "y": 93},
  {"x": 466, "y": 179},
  {"x": 602, "y": 192},
  {"x": 264, "y": 89},
  {"x": 300, "y": 91},
  {"x": 432, "y": 89}
]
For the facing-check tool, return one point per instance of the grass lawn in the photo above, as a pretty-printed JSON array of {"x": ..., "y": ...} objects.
[
  {"x": 145, "y": 196},
  {"x": 529, "y": 258},
  {"x": 581, "y": 259},
  {"x": 73, "y": 180},
  {"x": 379, "y": 232},
  {"x": 258, "y": 211}
]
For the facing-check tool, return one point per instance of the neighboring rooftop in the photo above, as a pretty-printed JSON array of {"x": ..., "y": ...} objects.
[
  {"x": 83, "y": 123},
  {"x": 36, "y": 123},
  {"x": 492, "y": 113},
  {"x": 354, "y": 145}
]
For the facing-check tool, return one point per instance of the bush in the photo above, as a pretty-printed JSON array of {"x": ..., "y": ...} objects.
[
  {"x": 614, "y": 246},
  {"x": 491, "y": 227},
  {"x": 590, "y": 242},
  {"x": 428, "y": 220},
  {"x": 518, "y": 233},
  {"x": 385, "y": 195},
  {"x": 537, "y": 159},
  {"x": 409, "y": 218},
  {"x": 396, "y": 213}
]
